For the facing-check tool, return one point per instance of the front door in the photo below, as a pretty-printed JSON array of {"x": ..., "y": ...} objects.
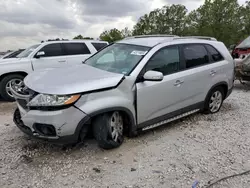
[
  {"x": 155, "y": 99},
  {"x": 53, "y": 57}
]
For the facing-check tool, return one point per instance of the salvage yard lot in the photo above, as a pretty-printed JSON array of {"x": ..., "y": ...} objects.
[{"x": 200, "y": 147}]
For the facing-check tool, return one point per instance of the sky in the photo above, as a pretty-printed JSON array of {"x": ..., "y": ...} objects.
[{"x": 27, "y": 22}]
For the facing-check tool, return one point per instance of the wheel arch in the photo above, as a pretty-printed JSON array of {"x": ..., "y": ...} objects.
[
  {"x": 87, "y": 120},
  {"x": 10, "y": 73},
  {"x": 224, "y": 85},
  {"x": 126, "y": 113}
]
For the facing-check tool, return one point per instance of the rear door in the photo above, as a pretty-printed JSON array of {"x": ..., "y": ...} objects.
[
  {"x": 76, "y": 52},
  {"x": 53, "y": 57},
  {"x": 200, "y": 73}
]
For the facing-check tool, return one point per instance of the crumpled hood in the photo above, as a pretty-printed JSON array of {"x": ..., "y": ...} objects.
[{"x": 76, "y": 79}]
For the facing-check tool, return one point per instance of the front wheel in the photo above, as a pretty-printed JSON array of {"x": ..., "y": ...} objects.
[
  {"x": 214, "y": 100},
  {"x": 5, "y": 84},
  {"x": 108, "y": 130}
]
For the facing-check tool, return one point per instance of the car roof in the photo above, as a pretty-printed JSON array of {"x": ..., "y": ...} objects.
[
  {"x": 147, "y": 40},
  {"x": 75, "y": 41},
  {"x": 153, "y": 40}
]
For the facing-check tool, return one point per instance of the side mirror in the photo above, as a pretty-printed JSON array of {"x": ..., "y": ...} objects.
[
  {"x": 153, "y": 76},
  {"x": 40, "y": 54}
]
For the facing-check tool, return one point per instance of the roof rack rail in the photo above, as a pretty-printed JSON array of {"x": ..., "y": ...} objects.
[
  {"x": 197, "y": 37},
  {"x": 51, "y": 40},
  {"x": 147, "y": 36}
]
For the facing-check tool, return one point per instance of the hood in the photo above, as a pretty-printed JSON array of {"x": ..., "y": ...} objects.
[
  {"x": 12, "y": 60},
  {"x": 76, "y": 79}
]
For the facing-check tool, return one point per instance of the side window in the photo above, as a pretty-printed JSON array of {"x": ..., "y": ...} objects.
[
  {"x": 165, "y": 60},
  {"x": 76, "y": 48},
  {"x": 99, "y": 46},
  {"x": 52, "y": 50},
  {"x": 195, "y": 55},
  {"x": 216, "y": 56}
]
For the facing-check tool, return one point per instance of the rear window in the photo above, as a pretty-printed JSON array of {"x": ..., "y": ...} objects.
[
  {"x": 99, "y": 46},
  {"x": 216, "y": 56},
  {"x": 195, "y": 55},
  {"x": 76, "y": 48}
]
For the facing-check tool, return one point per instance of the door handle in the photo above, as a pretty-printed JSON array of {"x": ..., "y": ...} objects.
[
  {"x": 62, "y": 61},
  {"x": 178, "y": 83},
  {"x": 213, "y": 72}
]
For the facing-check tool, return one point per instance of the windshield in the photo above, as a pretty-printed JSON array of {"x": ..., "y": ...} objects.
[
  {"x": 118, "y": 58},
  {"x": 245, "y": 43},
  {"x": 28, "y": 51}
]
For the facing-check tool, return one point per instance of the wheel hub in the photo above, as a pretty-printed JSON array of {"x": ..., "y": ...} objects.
[
  {"x": 116, "y": 126},
  {"x": 15, "y": 84}
]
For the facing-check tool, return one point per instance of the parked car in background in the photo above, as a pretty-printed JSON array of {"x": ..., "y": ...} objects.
[
  {"x": 242, "y": 49},
  {"x": 50, "y": 54},
  {"x": 132, "y": 85},
  {"x": 12, "y": 54}
]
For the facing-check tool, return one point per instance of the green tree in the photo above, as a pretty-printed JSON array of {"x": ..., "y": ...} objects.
[
  {"x": 244, "y": 14},
  {"x": 218, "y": 18},
  {"x": 78, "y": 37},
  {"x": 126, "y": 32},
  {"x": 81, "y": 37},
  {"x": 111, "y": 35},
  {"x": 167, "y": 20}
]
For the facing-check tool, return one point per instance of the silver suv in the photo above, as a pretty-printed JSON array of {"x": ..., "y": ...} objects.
[{"x": 132, "y": 85}]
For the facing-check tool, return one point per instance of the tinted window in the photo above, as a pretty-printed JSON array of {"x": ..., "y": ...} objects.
[
  {"x": 99, "y": 46},
  {"x": 195, "y": 55},
  {"x": 216, "y": 56},
  {"x": 166, "y": 60},
  {"x": 76, "y": 48},
  {"x": 52, "y": 50}
]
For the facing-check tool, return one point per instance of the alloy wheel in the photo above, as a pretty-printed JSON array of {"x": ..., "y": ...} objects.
[
  {"x": 16, "y": 84},
  {"x": 116, "y": 125},
  {"x": 215, "y": 101}
]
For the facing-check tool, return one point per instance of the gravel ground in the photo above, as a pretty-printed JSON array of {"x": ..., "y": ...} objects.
[{"x": 200, "y": 147}]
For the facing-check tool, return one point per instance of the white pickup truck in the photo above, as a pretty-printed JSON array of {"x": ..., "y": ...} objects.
[{"x": 49, "y": 54}]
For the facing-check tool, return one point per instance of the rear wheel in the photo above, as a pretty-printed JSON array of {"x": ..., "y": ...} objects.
[
  {"x": 15, "y": 80},
  {"x": 214, "y": 100},
  {"x": 108, "y": 130}
]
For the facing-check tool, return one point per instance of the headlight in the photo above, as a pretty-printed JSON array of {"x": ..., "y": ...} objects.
[{"x": 53, "y": 100}]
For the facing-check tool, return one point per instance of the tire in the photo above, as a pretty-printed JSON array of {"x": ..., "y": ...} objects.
[
  {"x": 3, "y": 89},
  {"x": 106, "y": 125},
  {"x": 216, "y": 96}
]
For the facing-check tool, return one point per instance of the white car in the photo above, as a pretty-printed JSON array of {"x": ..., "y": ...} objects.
[{"x": 49, "y": 54}]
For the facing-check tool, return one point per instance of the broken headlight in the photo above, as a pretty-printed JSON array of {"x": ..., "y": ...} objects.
[{"x": 53, "y": 100}]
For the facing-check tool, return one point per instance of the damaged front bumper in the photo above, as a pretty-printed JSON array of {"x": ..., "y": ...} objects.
[{"x": 61, "y": 126}]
